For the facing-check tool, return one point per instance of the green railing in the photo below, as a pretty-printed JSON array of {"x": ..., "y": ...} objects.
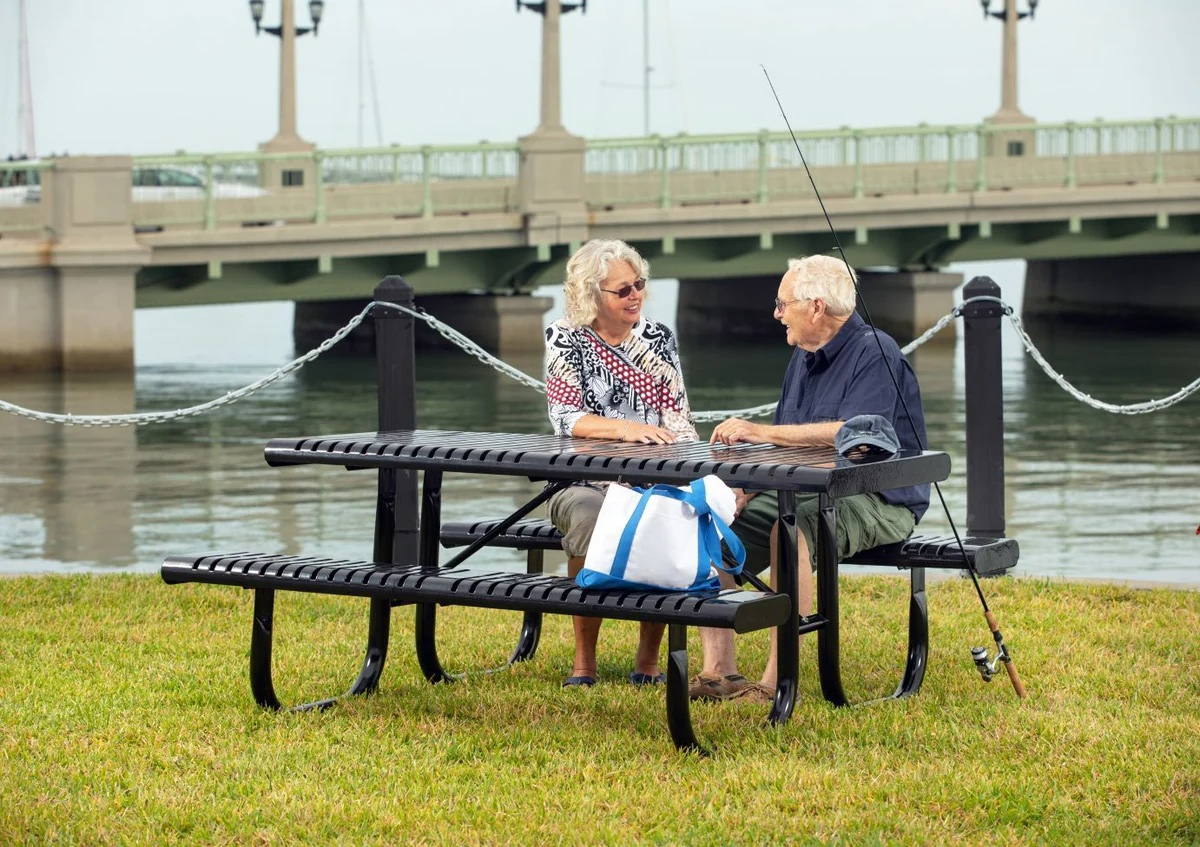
[
  {"x": 659, "y": 171},
  {"x": 764, "y": 166}
]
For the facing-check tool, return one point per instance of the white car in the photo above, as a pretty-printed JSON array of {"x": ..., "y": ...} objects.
[
  {"x": 150, "y": 184},
  {"x": 153, "y": 183}
]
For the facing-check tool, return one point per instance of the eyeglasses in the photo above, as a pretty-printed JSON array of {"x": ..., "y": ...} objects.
[
  {"x": 625, "y": 290},
  {"x": 780, "y": 305}
]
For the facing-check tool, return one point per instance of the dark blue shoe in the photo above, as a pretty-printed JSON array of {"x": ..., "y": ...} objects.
[
  {"x": 583, "y": 681},
  {"x": 636, "y": 678}
]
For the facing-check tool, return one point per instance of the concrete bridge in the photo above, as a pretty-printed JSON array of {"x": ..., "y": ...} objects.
[
  {"x": 474, "y": 228},
  {"x": 502, "y": 218}
]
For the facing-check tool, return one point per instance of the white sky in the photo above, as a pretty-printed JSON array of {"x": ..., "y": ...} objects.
[{"x": 130, "y": 76}]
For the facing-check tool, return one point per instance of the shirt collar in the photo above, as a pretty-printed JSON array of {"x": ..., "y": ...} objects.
[{"x": 834, "y": 346}]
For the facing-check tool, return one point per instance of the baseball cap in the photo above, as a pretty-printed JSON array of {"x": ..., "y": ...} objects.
[{"x": 867, "y": 437}]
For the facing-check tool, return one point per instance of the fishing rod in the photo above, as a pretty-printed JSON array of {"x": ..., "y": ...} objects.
[{"x": 986, "y": 666}]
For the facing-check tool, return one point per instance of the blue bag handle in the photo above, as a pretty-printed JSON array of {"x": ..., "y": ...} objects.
[{"x": 710, "y": 530}]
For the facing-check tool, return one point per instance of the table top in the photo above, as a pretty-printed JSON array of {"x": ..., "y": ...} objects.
[{"x": 764, "y": 466}]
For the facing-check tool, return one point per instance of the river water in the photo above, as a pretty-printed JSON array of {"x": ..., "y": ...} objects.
[{"x": 1089, "y": 494}]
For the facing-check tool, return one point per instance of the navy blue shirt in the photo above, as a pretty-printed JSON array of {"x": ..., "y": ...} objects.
[{"x": 848, "y": 377}]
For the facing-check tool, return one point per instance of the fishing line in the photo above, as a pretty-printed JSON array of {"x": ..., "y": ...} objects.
[{"x": 985, "y": 668}]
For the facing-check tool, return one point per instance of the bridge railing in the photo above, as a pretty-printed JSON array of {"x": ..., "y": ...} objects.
[
  {"x": 659, "y": 171},
  {"x": 765, "y": 166}
]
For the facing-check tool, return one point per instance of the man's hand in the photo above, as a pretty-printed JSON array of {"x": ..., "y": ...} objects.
[
  {"x": 741, "y": 498},
  {"x": 738, "y": 431}
]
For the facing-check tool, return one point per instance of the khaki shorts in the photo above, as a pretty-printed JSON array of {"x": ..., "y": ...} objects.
[
  {"x": 573, "y": 512},
  {"x": 863, "y": 521}
]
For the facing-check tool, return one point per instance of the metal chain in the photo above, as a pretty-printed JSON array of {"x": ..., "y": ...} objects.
[
  {"x": 1131, "y": 409},
  {"x": 471, "y": 348}
]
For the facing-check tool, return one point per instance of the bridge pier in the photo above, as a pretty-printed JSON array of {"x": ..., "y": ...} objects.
[
  {"x": 1157, "y": 291},
  {"x": 67, "y": 296},
  {"x": 902, "y": 303},
  {"x": 501, "y": 324}
]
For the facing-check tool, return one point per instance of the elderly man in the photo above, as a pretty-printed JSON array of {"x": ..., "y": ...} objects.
[{"x": 839, "y": 370}]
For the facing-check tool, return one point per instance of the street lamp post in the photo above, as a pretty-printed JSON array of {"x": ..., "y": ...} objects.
[
  {"x": 551, "y": 11},
  {"x": 287, "y": 139},
  {"x": 1009, "y": 112},
  {"x": 550, "y": 184}
]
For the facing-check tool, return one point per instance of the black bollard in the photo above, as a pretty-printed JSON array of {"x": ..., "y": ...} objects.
[
  {"x": 985, "y": 410},
  {"x": 396, "y": 520}
]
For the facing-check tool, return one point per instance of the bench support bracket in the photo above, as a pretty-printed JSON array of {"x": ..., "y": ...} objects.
[{"x": 260, "y": 653}]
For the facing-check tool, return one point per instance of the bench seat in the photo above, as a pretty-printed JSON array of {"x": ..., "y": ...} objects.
[
  {"x": 990, "y": 556},
  {"x": 741, "y": 611}
]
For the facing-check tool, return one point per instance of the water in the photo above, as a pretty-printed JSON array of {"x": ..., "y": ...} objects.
[{"x": 1089, "y": 494}]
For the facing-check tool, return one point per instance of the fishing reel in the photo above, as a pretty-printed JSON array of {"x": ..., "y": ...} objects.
[{"x": 988, "y": 668}]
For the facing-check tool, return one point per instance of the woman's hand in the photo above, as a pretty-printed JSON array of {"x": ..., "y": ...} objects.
[{"x": 646, "y": 433}]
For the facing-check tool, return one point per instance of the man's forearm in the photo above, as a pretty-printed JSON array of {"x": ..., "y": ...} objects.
[{"x": 803, "y": 435}]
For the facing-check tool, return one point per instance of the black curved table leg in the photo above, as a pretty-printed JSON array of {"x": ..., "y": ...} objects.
[
  {"x": 427, "y": 556},
  {"x": 787, "y": 639},
  {"x": 679, "y": 716},
  {"x": 260, "y": 653},
  {"x": 918, "y": 636},
  {"x": 828, "y": 645},
  {"x": 531, "y": 622}
]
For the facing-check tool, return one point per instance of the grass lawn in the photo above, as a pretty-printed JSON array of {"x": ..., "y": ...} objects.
[{"x": 126, "y": 718}]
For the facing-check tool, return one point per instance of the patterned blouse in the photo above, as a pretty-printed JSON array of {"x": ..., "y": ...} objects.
[{"x": 638, "y": 380}]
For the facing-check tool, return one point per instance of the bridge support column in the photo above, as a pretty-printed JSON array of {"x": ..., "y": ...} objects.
[
  {"x": 503, "y": 325},
  {"x": 906, "y": 303},
  {"x": 1155, "y": 290},
  {"x": 68, "y": 299}
]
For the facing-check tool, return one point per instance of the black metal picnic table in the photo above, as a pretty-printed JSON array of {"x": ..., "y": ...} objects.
[{"x": 787, "y": 470}]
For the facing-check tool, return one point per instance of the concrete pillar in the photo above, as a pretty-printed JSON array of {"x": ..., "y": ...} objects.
[
  {"x": 551, "y": 161},
  {"x": 1155, "y": 291},
  {"x": 906, "y": 303},
  {"x": 734, "y": 311},
  {"x": 502, "y": 325},
  {"x": 300, "y": 171},
  {"x": 69, "y": 297}
]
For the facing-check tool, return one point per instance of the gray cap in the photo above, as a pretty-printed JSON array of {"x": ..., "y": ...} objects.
[{"x": 872, "y": 432}]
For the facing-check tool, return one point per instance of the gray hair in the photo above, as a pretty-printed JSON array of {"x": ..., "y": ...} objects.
[
  {"x": 824, "y": 278},
  {"x": 588, "y": 268}
]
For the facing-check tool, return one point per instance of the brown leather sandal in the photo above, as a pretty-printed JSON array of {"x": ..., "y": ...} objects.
[{"x": 708, "y": 687}]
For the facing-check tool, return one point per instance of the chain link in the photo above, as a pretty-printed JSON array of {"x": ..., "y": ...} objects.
[{"x": 472, "y": 349}]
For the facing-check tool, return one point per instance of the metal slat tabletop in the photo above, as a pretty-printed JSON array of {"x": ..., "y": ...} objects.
[{"x": 813, "y": 469}]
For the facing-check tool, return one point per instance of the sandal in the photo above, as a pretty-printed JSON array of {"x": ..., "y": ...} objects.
[
  {"x": 581, "y": 681},
  {"x": 754, "y": 692},
  {"x": 636, "y": 678},
  {"x": 708, "y": 687}
]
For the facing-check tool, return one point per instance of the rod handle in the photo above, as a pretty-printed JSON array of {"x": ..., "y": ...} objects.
[{"x": 1009, "y": 665}]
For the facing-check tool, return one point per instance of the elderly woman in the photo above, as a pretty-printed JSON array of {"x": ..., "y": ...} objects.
[{"x": 610, "y": 373}]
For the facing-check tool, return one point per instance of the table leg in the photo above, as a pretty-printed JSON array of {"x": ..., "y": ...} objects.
[
  {"x": 679, "y": 715},
  {"x": 918, "y": 636},
  {"x": 828, "y": 646},
  {"x": 260, "y": 653},
  {"x": 787, "y": 640},
  {"x": 426, "y": 613}
]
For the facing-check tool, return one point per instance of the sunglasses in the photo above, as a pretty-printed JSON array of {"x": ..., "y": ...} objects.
[{"x": 625, "y": 290}]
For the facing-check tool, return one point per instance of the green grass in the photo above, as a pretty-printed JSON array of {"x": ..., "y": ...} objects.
[{"x": 126, "y": 718}]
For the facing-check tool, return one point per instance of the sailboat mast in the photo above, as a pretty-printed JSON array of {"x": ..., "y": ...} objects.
[{"x": 27, "y": 145}]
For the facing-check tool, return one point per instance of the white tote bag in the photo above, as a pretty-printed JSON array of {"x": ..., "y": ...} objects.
[{"x": 662, "y": 537}]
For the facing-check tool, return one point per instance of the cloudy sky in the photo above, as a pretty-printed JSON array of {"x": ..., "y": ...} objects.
[{"x": 128, "y": 76}]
